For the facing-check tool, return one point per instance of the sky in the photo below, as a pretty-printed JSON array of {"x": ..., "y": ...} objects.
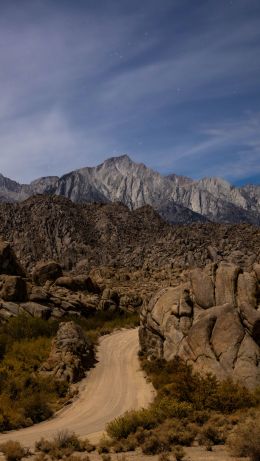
[{"x": 174, "y": 84}]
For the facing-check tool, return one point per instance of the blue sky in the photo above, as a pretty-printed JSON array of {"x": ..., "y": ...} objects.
[{"x": 173, "y": 83}]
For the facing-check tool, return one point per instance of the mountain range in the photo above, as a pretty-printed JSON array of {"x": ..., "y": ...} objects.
[{"x": 177, "y": 199}]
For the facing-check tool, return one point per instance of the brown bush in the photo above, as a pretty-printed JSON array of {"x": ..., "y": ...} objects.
[
  {"x": 13, "y": 451},
  {"x": 245, "y": 439}
]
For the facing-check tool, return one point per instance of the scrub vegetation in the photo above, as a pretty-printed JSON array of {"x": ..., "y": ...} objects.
[{"x": 188, "y": 407}]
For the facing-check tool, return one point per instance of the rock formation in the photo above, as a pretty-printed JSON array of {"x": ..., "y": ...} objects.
[
  {"x": 70, "y": 356},
  {"x": 211, "y": 320},
  {"x": 176, "y": 198},
  {"x": 45, "y": 271},
  {"x": 51, "y": 294},
  {"x": 82, "y": 236}
]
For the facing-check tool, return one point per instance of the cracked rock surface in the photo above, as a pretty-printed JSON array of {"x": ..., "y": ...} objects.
[{"x": 211, "y": 321}]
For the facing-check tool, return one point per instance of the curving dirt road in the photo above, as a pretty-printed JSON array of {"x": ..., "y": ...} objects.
[{"x": 114, "y": 386}]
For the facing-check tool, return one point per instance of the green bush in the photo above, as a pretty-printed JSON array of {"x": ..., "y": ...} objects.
[
  {"x": 124, "y": 425},
  {"x": 176, "y": 380},
  {"x": 25, "y": 396},
  {"x": 26, "y": 327},
  {"x": 167, "y": 407}
]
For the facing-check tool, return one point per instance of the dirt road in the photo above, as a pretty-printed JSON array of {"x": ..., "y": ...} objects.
[{"x": 114, "y": 386}]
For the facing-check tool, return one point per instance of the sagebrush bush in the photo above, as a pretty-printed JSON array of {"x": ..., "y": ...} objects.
[
  {"x": 245, "y": 439},
  {"x": 164, "y": 457},
  {"x": 175, "y": 379},
  {"x": 104, "y": 445},
  {"x": 106, "y": 457},
  {"x": 154, "y": 444},
  {"x": 13, "y": 451},
  {"x": 64, "y": 443},
  {"x": 124, "y": 425},
  {"x": 179, "y": 453}
]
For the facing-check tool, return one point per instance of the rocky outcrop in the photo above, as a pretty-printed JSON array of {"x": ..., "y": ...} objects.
[
  {"x": 211, "y": 320},
  {"x": 82, "y": 236},
  {"x": 46, "y": 271},
  {"x": 177, "y": 199},
  {"x": 70, "y": 356},
  {"x": 9, "y": 265},
  {"x": 50, "y": 294},
  {"x": 13, "y": 288}
]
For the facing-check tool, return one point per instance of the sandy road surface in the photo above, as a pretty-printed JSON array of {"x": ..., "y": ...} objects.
[{"x": 114, "y": 386}]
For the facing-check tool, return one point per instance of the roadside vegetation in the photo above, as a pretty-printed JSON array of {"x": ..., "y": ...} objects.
[
  {"x": 105, "y": 322},
  {"x": 188, "y": 408},
  {"x": 26, "y": 397}
]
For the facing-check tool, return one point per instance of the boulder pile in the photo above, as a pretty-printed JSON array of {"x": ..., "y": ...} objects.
[
  {"x": 51, "y": 293},
  {"x": 70, "y": 356},
  {"x": 211, "y": 321}
]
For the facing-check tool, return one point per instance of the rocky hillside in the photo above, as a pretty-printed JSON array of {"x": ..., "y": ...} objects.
[
  {"x": 86, "y": 235},
  {"x": 178, "y": 199}
]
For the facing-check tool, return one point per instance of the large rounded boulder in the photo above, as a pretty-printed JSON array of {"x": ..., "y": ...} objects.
[
  {"x": 46, "y": 271},
  {"x": 212, "y": 321}
]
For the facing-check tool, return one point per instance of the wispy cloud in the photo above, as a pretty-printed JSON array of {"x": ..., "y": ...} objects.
[
  {"x": 82, "y": 80},
  {"x": 230, "y": 149}
]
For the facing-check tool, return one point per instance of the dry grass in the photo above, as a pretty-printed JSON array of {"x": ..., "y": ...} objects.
[{"x": 13, "y": 451}]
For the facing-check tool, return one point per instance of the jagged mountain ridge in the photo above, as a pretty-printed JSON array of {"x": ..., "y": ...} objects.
[{"x": 176, "y": 198}]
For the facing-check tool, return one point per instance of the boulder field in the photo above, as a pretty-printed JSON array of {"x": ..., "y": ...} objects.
[
  {"x": 48, "y": 292},
  {"x": 211, "y": 320}
]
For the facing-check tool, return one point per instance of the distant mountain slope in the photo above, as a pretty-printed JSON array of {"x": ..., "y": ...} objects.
[
  {"x": 53, "y": 227},
  {"x": 177, "y": 198}
]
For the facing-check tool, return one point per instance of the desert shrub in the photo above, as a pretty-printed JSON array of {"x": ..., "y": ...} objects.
[
  {"x": 87, "y": 446},
  {"x": 27, "y": 327},
  {"x": 26, "y": 397},
  {"x": 104, "y": 322},
  {"x": 121, "y": 458},
  {"x": 41, "y": 457},
  {"x": 106, "y": 457},
  {"x": 124, "y": 425},
  {"x": 63, "y": 445},
  {"x": 43, "y": 445},
  {"x": 104, "y": 445},
  {"x": 36, "y": 408},
  {"x": 67, "y": 439},
  {"x": 154, "y": 444},
  {"x": 178, "y": 452},
  {"x": 13, "y": 451},
  {"x": 245, "y": 439},
  {"x": 176, "y": 380},
  {"x": 77, "y": 458},
  {"x": 164, "y": 457},
  {"x": 210, "y": 434},
  {"x": 141, "y": 434},
  {"x": 125, "y": 445},
  {"x": 168, "y": 407}
]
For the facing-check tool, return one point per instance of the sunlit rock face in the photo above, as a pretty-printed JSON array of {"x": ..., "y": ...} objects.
[
  {"x": 211, "y": 321},
  {"x": 176, "y": 198}
]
